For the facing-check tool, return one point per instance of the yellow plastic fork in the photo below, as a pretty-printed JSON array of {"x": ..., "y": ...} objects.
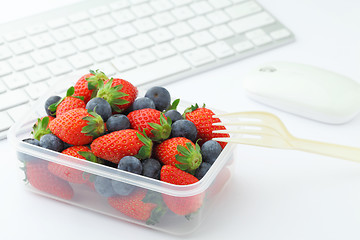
[{"x": 267, "y": 130}]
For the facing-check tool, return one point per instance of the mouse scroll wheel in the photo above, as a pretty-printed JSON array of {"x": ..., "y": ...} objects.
[{"x": 267, "y": 69}]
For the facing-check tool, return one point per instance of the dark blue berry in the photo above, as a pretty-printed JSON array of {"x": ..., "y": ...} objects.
[
  {"x": 104, "y": 187},
  {"x": 101, "y": 107},
  {"x": 130, "y": 164},
  {"x": 151, "y": 168},
  {"x": 32, "y": 141},
  {"x": 174, "y": 115},
  {"x": 122, "y": 188},
  {"x": 117, "y": 122},
  {"x": 52, "y": 142},
  {"x": 49, "y": 101},
  {"x": 210, "y": 150},
  {"x": 202, "y": 170},
  {"x": 141, "y": 103},
  {"x": 160, "y": 96},
  {"x": 184, "y": 128}
]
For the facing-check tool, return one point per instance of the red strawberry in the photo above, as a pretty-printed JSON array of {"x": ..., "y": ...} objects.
[
  {"x": 77, "y": 126},
  {"x": 67, "y": 103},
  {"x": 155, "y": 124},
  {"x": 180, "y": 205},
  {"x": 141, "y": 204},
  {"x": 41, "y": 127},
  {"x": 203, "y": 120},
  {"x": 71, "y": 174},
  {"x": 118, "y": 92},
  {"x": 39, "y": 177},
  {"x": 180, "y": 152},
  {"x": 88, "y": 83},
  {"x": 116, "y": 145}
]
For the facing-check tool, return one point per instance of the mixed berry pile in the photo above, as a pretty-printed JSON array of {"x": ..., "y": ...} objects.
[{"x": 103, "y": 120}]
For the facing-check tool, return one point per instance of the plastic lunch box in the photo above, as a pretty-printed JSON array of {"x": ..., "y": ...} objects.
[{"x": 208, "y": 188}]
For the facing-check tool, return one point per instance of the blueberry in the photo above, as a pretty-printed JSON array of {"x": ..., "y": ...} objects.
[
  {"x": 184, "y": 128},
  {"x": 52, "y": 142},
  {"x": 104, "y": 187},
  {"x": 32, "y": 141},
  {"x": 49, "y": 101},
  {"x": 151, "y": 168},
  {"x": 141, "y": 103},
  {"x": 210, "y": 150},
  {"x": 122, "y": 188},
  {"x": 174, "y": 115},
  {"x": 101, "y": 107},
  {"x": 117, "y": 122},
  {"x": 160, "y": 96},
  {"x": 202, "y": 170},
  {"x": 130, "y": 164}
]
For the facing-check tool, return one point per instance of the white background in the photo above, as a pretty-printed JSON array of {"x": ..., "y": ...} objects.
[{"x": 273, "y": 194}]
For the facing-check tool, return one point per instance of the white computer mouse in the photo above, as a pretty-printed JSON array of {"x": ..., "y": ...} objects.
[{"x": 305, "y": 90}]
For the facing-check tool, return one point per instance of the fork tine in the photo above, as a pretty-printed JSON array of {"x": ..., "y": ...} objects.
[{"x": 251, "y": 129}]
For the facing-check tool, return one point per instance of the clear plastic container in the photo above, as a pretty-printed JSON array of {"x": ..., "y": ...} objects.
[{"x": 205, "y": 192}]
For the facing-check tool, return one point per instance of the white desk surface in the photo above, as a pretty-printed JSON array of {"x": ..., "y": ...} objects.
[{"x": 274, "y": 194}]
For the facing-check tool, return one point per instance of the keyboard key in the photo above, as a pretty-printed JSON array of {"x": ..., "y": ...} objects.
[
  {"x": 21, "y": 62},
  {"x": 199, "y": 23},
  {"x": 202, "y": 38},
  {"x": 15, "y": 35},
  {"x": 180, "y": 29},
  {"x": 2, "y": 87},
  {"x": 243, "y": 9},
  {"x": 79, "y": 16},
  {"x": 161, "y": 5},
  {"x": 221, "y": 49},
  {"x": 251, "y": 22},
  {"x": 183, "y": 13},
  {"x": 106, "y": 68},
  {"x": 15, "y": 81},
  {"x": 97, "y": 11},
  {"x": 5, "y": 69},
  {"x": 43, "y": 56},
  {"x": 38, "y": 74},
  {"x": 243, "y": 46},
  {"x": 143, "y": 57},
  {"x": 183, "y": 44},
  {"x": 5, "y": 121},
  {"x": 144, "y": 24},
  {"x": 181, "y": 2},
  {"x": 163, "y": 50},
  {"x": 59, "y": 67},
  {"x": 119, "y": 4},
  {"x": 35, "y": 29},
  {"x": 157, "y": 70},
  {"x": 64, "y": 49},
  {"x": 201, "y": 7},
  {"x": 63, "y": 34},
  {"x": 121, "y": 48},
  {"x": 141, "y": 41},
  {"x": 163, "y": 19},
  {"x": 221, "y": 32},
  {"x": 199, "y": 56},
  {"x": 36, "y": 90},
  {"x": 125, "y": 30},
  {"x": 80, "y": 60},
  {"x": 103, "y": 22},
  {"x": 84, "y": 43},
  {"x": 258, "y": 37},
  {"x": 161, "y": 35},
  {"x": 218, "y": 17},
  {"x": 219, "y": 4},
  {"x": 83, "y": 28},
  {"x": 56, "y": 23},
  {"x": 21, "y": 46},
  {"x": 123, "y": 63},
  {"x": 101, "y": 54},
  {"x": 13, "y": 98},
  {"x": 123, "y": 16},
  {"x": 142, "y": 10},
  {"x": 17, "y": 113},
  {"x": 4, "y": 53},
  {"x": 280, "y": 34},
  {"x": 42, "y": 40},
  {"x": 105, "y": 37}
]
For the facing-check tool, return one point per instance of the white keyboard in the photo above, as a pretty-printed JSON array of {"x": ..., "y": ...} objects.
[{"x": 144, "y": 41}]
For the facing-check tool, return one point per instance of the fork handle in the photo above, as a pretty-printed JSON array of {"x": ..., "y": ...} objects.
[{"x": 328, "y": 149}]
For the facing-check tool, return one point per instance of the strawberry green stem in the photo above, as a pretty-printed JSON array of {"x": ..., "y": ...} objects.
[{"x": 190, "y": 158}]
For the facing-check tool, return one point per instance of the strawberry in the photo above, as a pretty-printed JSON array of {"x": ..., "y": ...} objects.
[
  {"x": 180, "y": 152},
  {"x": 87, "y": 85},
  {"x": 141, "y": 204},
  {"x": 180, "y": 205},
  {"x": 155, "y": 124},
  {"x": 67, "y": 103},
  {"x": 118, "y": 92},
  {"x": 116, "y": 145},
  {"x": 38, "y": 175},
  {"x": 71, "y": 174},
  {"x": 41, "y": 127},
  {"x": 77, "y": 126},
  {"x": 203, "y": 120}
]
